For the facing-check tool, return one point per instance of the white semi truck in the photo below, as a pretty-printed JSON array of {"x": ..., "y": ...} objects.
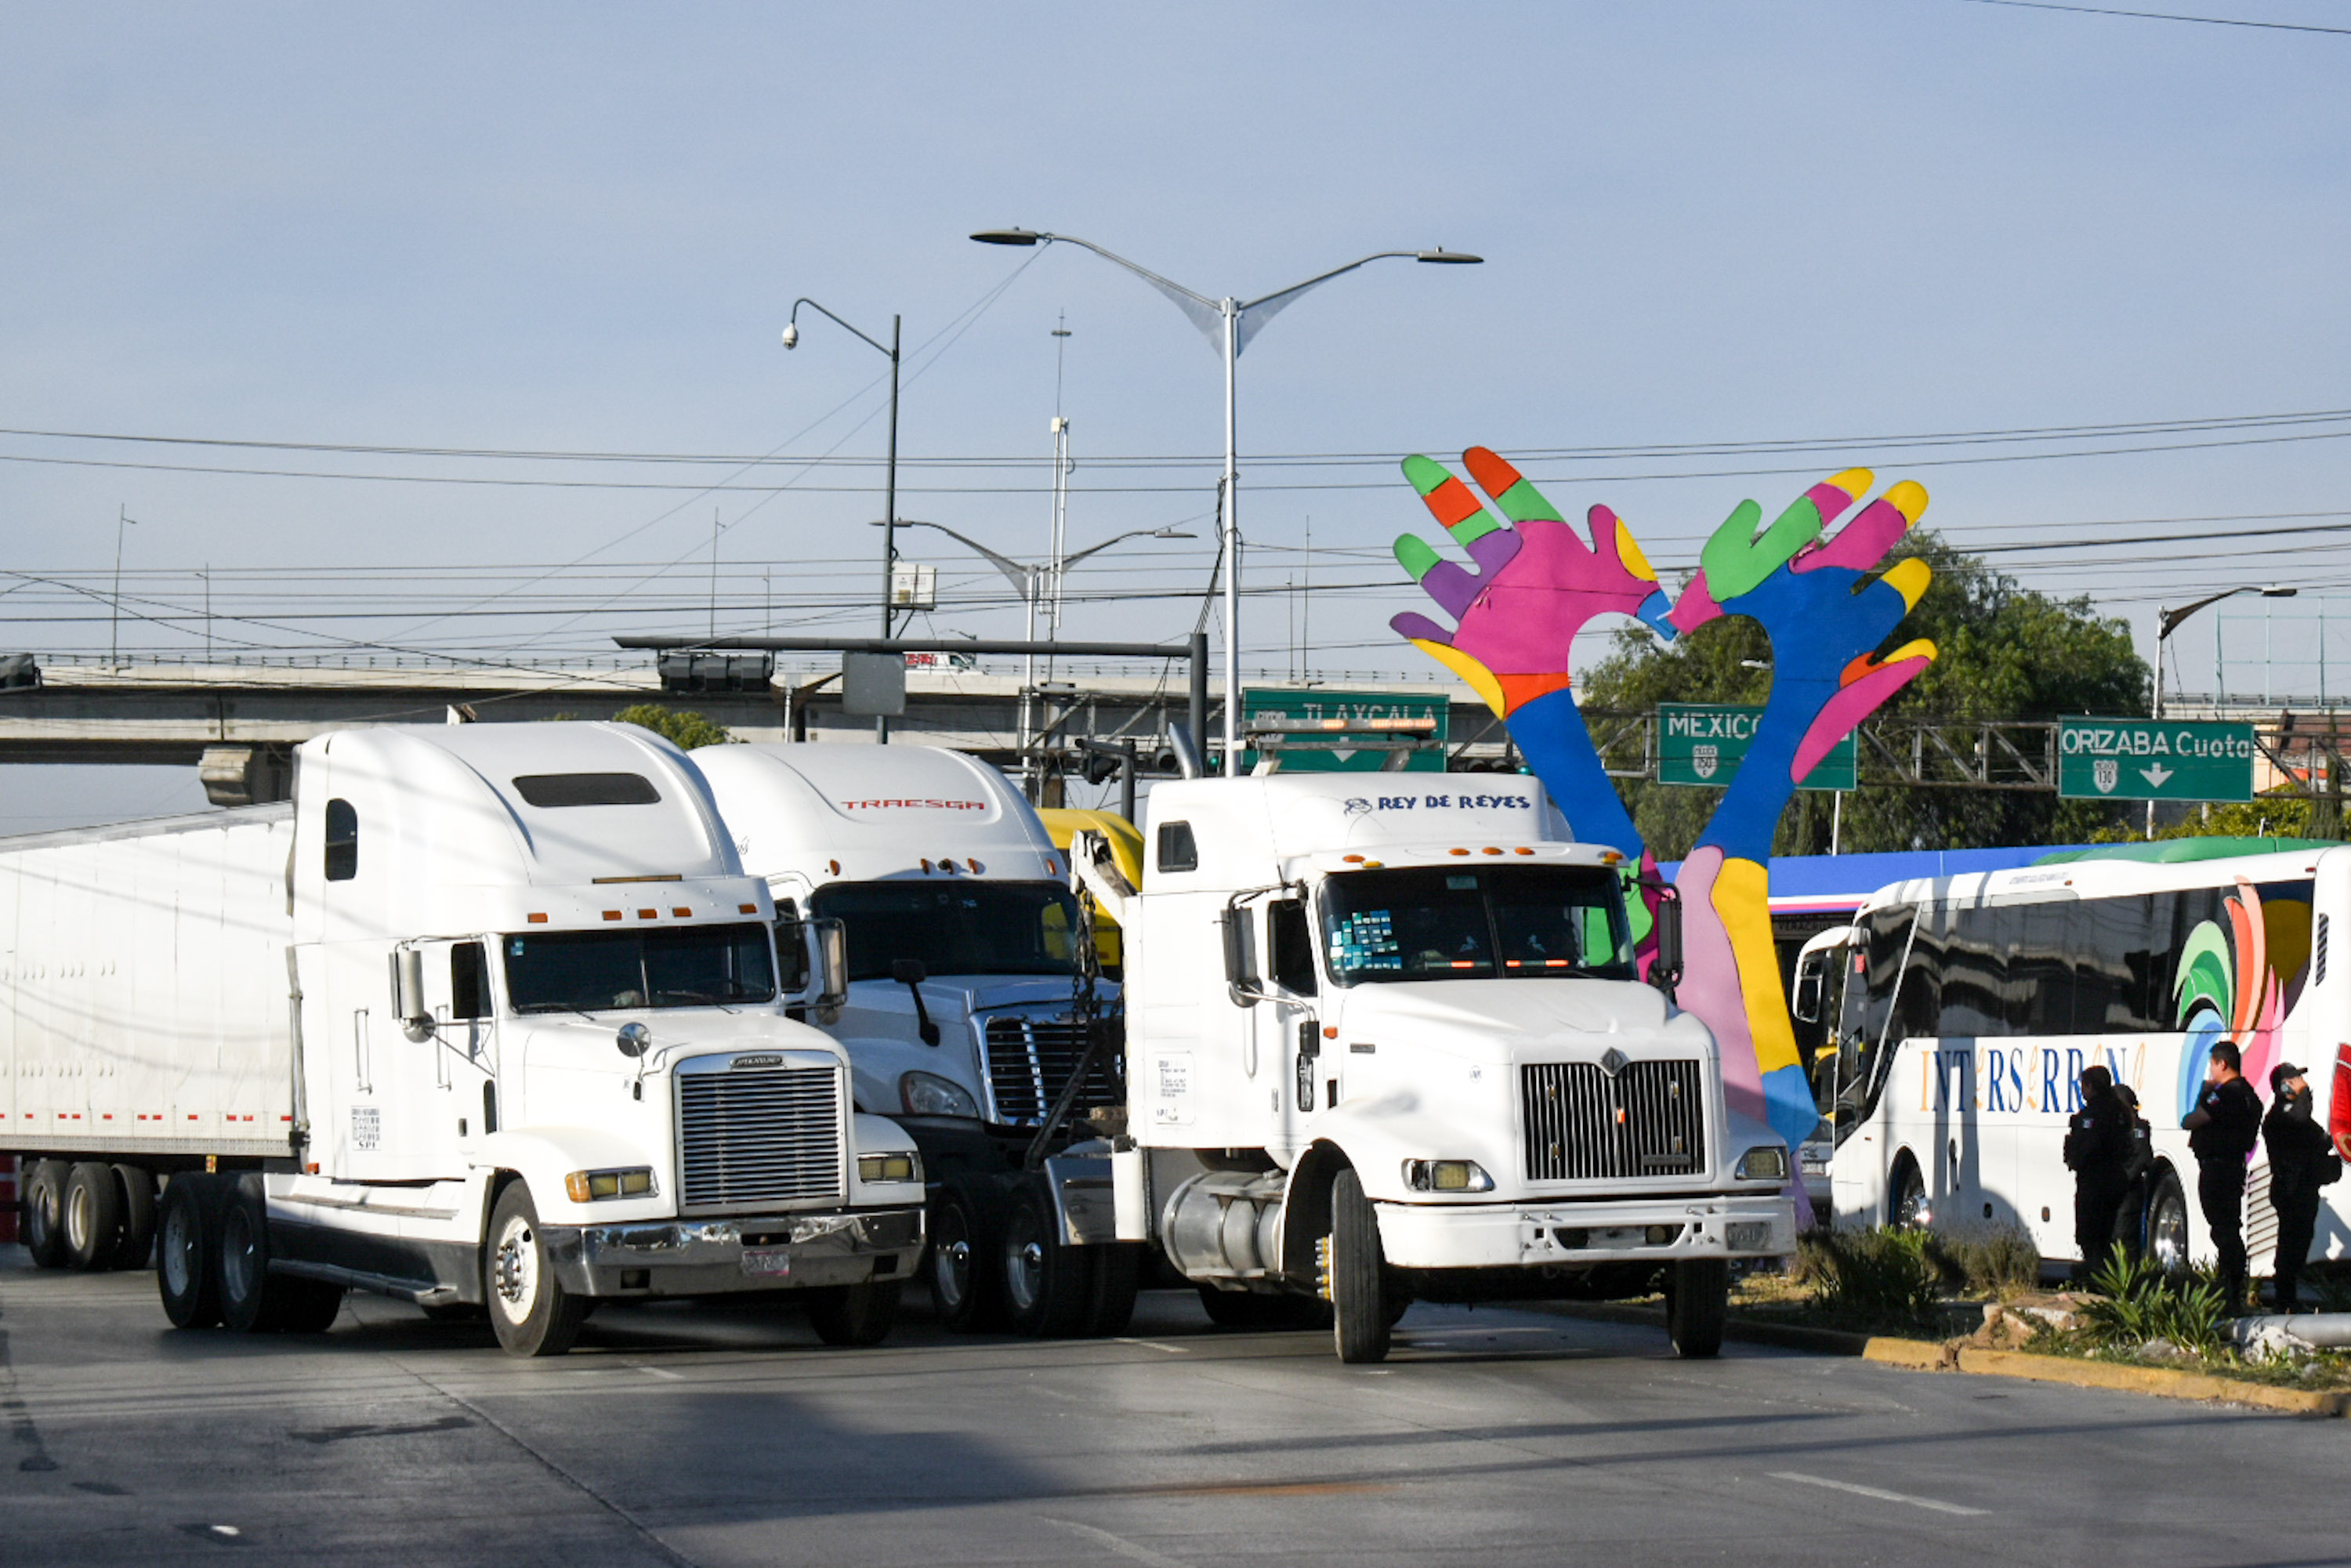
[
  {"x": 487, "y": 1018},
  {"x": 1384, "y": 1040},
  {"x": 968, "y": 1006}
]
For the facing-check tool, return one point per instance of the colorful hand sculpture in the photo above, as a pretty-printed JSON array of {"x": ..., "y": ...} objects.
[{"x": 1536, "y": 586}]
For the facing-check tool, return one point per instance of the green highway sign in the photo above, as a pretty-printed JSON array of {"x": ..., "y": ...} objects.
[
  {"x": 1704, "y": 743},
  {"x": 2145, "y": 759},
  {"x": 1317, "y": 705}
]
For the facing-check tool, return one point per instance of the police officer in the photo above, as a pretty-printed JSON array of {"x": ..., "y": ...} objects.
[
  {"x": 2097, "y": 1151},
  {"x": 2301, "y": 1161},
  {"x": 2130, "y": 1223},
  {"x": 2221, "y": 1132}
]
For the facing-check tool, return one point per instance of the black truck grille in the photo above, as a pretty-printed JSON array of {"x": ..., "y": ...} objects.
[
  {"x": 1583, "y": 1124},
  {"x": 759, "y": 1135},
  {"x": 1029, "y": 1061}
]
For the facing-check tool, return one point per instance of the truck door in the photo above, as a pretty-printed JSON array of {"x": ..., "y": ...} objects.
[
  {"x": 453, "y": 1097},
  {"x": 1289, "y": 1031}
]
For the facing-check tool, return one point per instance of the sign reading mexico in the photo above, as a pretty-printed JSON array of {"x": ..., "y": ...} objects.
[
  {"x": 2150, "y": 759},
  {"x": 1704, "y": 743}
]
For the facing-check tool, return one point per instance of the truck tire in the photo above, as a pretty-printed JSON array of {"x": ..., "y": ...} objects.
[
  {"x": 531, "y": 1311},
  {"x": 1698, "y": 1299},
  {"x": 42, "y": 1226},
  {"x": 1118, "y": 1275},
  {"x": 1360, "y": 1320},
  {"x": 137, "y": 1242},
  {"x": 184, "y": 1250},
  {"x": 854, "y": 1314},
  {"x": 966, "y": 1276},
  {"x": 1048, "y": 1286},
  {"x": 251, "y": 1299},
  {"x": 93, "y": 1216}
]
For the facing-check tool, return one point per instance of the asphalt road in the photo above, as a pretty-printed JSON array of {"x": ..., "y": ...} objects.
[{"x": 722, "y": 1436}]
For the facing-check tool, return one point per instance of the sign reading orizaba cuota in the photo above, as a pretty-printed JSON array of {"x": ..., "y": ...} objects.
[
  {"x": 1704, "y": 743},
  {"x": 2150, "y": 759}
]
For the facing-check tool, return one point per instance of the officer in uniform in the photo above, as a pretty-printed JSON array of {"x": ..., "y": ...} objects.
[
  {"x": 2130, "y": 1223},
  {"x": 2097, "y": 1151},
  {"x": 2301, "y": 1161},
  {"x": 2221, "y": 1132}
]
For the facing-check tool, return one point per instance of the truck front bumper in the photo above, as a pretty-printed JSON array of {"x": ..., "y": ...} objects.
[
  {"x": 740, "y": 1253},
  {"x": 1530, "y": 1235}
]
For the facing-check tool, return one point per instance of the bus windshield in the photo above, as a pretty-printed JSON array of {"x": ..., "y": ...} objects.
[
  {"x": 1436, "y": 923},
  {"x": 953, "y": 928},
  {"x": 682, "y": 966}
]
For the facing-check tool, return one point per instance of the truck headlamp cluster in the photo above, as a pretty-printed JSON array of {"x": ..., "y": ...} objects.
[
  {"x": 1768, "y": 1162},
  {"x": 593, "y": 1187},
  {"x": 928, "y": 1094},
  {"x": 1447, "y": 1175},
  {"x": 906, "y": 1166}
]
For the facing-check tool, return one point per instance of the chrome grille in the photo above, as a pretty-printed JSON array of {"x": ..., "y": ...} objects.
[
  {"x": 1029, "y": 1060},
  {"x": 759, "y": 1135},
  {"x": 1649, "y": 1120}
]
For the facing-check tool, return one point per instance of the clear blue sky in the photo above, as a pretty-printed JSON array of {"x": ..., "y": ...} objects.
[{"x": 580, "y": 229}]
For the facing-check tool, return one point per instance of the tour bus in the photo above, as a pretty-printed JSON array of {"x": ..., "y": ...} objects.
[{"x": 1967, "y": 1008}]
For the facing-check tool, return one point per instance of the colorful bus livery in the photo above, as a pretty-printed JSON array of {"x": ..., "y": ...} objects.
[{"x": 1972, "y": 1004}]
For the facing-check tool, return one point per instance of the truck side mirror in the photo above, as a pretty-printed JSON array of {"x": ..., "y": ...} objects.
[
  {"x": 911, "y": 973},
  {"x": 828, "y": 950},
  {"x": 408, "y": 994},
  {"x": 1666, "y": 967},
  {"x": 1240, "y": 974}
]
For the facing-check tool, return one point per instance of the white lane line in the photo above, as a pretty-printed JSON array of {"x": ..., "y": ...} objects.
[
  {"x": 663, "y": 1372},
  {"x": 1120, "y": 1544},
  {"x": 1935, "y": 1504},
  {"x": 1155, "y": 1344}
]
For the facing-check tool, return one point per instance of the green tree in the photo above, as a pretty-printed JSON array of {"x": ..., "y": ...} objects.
[
  {"x": 686, "y": 730},
  {"x": 2004, "y": 652}
]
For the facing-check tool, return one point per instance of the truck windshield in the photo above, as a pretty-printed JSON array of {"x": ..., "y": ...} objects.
[
  {"x": 682, "y": 966},
  {"x": 1493, "y": 922},
  {"x": 953, "y": 928}
]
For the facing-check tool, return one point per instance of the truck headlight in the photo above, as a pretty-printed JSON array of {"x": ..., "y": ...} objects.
[
  {"x": 591, "y": 1186},
  {"x": 1766, "y": 1162},
  {"x": 928, "y": 1094},
  {"x": 907, "y": 1167},
  {"x": 1447, "y": 1175}
]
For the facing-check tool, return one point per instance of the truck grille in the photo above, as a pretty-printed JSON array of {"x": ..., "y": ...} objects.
[
  {"x": 1029, "y": 1061},
  {"x": 1581, "y": 1124},
  {"x": 759, "y": 1135}
]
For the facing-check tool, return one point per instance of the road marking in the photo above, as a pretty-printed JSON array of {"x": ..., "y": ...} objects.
[
  {"x": 1926, "y": 1503},
  {"x": 1120, "y": 1544},
  {"x": 1155, "y": 1344},
  {"x": 663, "y": 1372}
]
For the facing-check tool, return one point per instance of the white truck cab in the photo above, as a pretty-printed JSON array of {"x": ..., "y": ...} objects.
[{"x": 1385, "y": 1040}]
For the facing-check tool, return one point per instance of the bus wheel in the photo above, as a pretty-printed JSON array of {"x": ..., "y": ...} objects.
[
  {"x": 2167, "y": 1226},
  {"x": 1906, "y": 1210}
]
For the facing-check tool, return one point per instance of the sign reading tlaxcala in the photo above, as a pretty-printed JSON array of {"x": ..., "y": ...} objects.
[
  {"x": 2154, "y": 759},
  {"x": 1704, "y": 743}
]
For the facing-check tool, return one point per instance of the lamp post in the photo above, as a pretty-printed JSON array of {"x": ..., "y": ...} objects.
[
  {"x": 1230, "y": 323},
  {"x": 1026, "y": 579},
  {"x": 2167, "y": 621},
  {"x": 890, "y": 501}
]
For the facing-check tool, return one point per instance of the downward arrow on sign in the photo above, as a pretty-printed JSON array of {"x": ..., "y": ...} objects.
[{"x": 2155, "y": 775}]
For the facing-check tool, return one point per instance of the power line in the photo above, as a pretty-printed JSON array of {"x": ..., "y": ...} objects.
[{"x": 2164, "y": 16}]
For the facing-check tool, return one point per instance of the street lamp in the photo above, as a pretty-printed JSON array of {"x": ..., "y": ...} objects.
[
  {"x": 890, "y": 502},
  {"x": 1027, "y": 580},
  {"x": 1231, "y": 322},
  {"x": 2167, "y": 621}
]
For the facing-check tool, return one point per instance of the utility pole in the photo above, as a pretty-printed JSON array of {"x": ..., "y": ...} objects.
[{"x": 122, "y": 519}]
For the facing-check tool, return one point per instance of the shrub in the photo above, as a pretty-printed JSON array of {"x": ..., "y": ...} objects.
[
  {"x": 2135, "y": 1301},
  {"x": 1881, "y": 1276},
  {"x": 687, "y": 730},
  {"x": 1994, "y": 1261}
]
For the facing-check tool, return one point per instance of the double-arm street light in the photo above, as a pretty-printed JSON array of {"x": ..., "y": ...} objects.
[
  {"x": 1231, "y": 323},
  {"x": 890, "y": 502},
  {"x": 2167, "y": 621},
  {"x": 1029, "y": 580}
]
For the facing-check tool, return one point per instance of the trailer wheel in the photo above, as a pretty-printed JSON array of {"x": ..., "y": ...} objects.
[
  {"x": 966, "y": 1283},
  {"x": 93, "y": 1216},
  {"x": 1356, "y": 1273},
  {"x": 43, "y": 1204},
  {"x": 1118, "y": 1275},
  {"x": 184, "y": 1250},
  {"x": 1048, "y": 1286},
  {"x": 138, "y": 1236},
  {"x": 854, "y": 1314},
  {"x": 1698, "y": 1299},
  {"x": 529, "y": 1308}
]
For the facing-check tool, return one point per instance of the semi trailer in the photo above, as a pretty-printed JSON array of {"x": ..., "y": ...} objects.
[{"x": 487, "y": 1018}]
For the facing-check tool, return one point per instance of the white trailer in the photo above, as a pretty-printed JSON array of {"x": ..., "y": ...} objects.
[
  {"x": 1384, "y": 1041},
  {"x": 968, "y": 1005},
  {"x": 487, "y": 1018}
]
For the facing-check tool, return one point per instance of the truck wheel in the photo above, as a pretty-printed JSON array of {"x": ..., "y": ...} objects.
[
  {"x": 184, "y": 1250},
  {"x": 43, "y": 1230},
  {"x": 1698, "y": 1299},
  {"x": 854, "y": 1314},
  {"x": 251, "y": 1301},
  {"x": 1047, "y": 1286},
  {"x": 1357, "y": 1274},
  {"x": 1118, "y": 1275},
  {"x": 138, "y": 1236},
  {"x": 966, "y": 1284},
  {"x": 529, "y": 1308},
  {"x": 93, "y": 1216}
]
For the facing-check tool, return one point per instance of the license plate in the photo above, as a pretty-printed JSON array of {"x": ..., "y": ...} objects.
[{"x": 773, "y": 1263}]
